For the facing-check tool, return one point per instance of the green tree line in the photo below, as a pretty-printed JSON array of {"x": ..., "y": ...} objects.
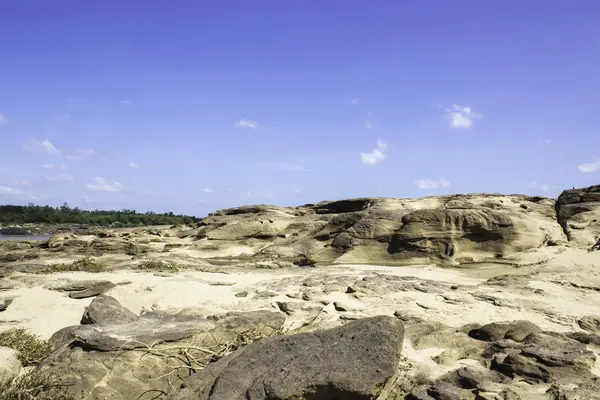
[{"x": 32, "y": 214}]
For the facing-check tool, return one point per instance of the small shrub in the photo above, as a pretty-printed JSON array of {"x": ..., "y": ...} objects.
[
  {"x": 36, "y": 385},
  {"x": 161, "y": 265},
  {"x": 87, "y": 264},
  {"x": 32, "y": 349}
]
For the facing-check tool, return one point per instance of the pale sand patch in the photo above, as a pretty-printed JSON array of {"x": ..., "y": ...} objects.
[{"x": 41, "y": 311}]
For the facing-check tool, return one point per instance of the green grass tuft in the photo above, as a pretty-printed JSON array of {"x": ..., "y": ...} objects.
[
  {"x": 87, "y": 264},
  {"x": 32, "y": 349},
  {"x": 160, "y": 265}
]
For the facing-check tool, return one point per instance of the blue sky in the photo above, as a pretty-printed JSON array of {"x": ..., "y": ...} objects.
[{"x": 192, "y": 106}]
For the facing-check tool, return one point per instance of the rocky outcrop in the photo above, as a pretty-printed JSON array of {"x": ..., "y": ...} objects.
[
  {"x": 451, "y": 229},
  {"x": 84, "y": 289},
  {"x": 578, "y": 212},
  {"x": 353, "y": 361},
  {"x": 553, "y": 366},
  {"x": 149, "y": 355}
]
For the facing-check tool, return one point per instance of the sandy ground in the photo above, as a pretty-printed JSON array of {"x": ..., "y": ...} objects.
[{"x": 556, "y": 294}]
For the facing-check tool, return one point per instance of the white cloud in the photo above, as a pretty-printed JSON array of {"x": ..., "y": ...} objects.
[
  {"x": 64, "y": 117},
  {"x": 59, "y": 177},
  {"x": 244, "y": 123},
  {"x": 368, "y": 125},
  {"x": 432, "y": 183},
  {"x": 53, "y": 166},
  {"x": 87, "y": 199},
  {"x": 544, "y": 141},
  {"x": 543, "y": 187},
  {"x": 104, "y": 185},
  {"x": 355, "y": 102},
  {"x": 34, "y": 144},
  {"x": 9, "y": 191},
  {"x": 133, "y": 165},
  {"x": 207, "y": 190},
  {"x": 3, "y": 120},
  {"x": 126, "y": 102},
  {"x": 589, "y": 167},
  {"x": 461, "y": 117},
  {"x": 375, "y": 156},
  {"x": 81, "y": 154}
]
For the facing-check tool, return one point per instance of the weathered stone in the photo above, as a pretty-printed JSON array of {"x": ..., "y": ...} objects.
[
  {"x": 353, "y": 361},
  {"x": 5, "y": 302},
  {"x": 578, "y": 212},
  {"x": 106, "y": 310},
  {"x": 85, "y": 289},
  {"x": 590, "y": 323},
  {"x": 101, "y": 368},
  {"x": 514, "y": 330},
  {"x": 10, "y": 366}
]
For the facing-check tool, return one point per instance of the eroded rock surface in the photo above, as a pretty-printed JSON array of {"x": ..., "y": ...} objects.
[
  {"x": 353, "y": 361},
  {"x": 579, "y": 214}
]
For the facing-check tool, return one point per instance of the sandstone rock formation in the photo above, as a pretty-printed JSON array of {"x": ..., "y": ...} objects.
[
  {"x": 459, "y": 228},
  {"x": 579, "y": 215}
]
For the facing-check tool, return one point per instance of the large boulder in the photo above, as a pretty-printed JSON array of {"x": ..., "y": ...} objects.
[
  {"x": 138, "y": 359},
  {"x": 578, "y": 213},
  {"x": 106, "y": 310},
  {"x": 353, "y": 361}
]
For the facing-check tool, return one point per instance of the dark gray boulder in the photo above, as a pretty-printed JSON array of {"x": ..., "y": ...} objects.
[
  {"x": 351, "y": 362},
  {"x": 514, "y": 330},
  {"x": 105, "y": 309}
]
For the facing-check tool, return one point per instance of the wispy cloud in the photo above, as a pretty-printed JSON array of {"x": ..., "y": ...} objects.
[
  {"x": 368, "y": 125},
  {"x": 244, "y": 123},
  {"x": 3, "y": 120},
  {"x": 81, "y": 154},
  {"x": 589, "y": 167},
  {"x": 126, "y": 102},
  {"x": 10, "y": 191},
  {"x": 133, "y": 165},
  {"x": 207, "y": 190},
  {"x": 104, "y": 185},
  {"x": 355, "y": 102},
  {"x": 45, "y": 145},
  {"x": 544, "y": 187},
  {"x": 461, "y": 117},
  {"x": 63, "y": 117},
  {"x": 59, "y": 177},
  {"x": 375, "y": 156},
  {"x": 432, "y": 183},
  {"x": 53, "y": 166},
  {"x": 544, "y": 141},
  {"x": 87, "y": 199}
]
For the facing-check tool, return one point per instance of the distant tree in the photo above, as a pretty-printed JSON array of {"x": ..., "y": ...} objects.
[{"x": 16, "y": 215}]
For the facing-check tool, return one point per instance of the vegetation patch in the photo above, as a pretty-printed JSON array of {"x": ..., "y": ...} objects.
[
  {"x": 38, "y": 385},
  {"x": 87, "y": 264},
  {"x": 32, "y": 349},
  {"x": 157, "y": 264}
]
